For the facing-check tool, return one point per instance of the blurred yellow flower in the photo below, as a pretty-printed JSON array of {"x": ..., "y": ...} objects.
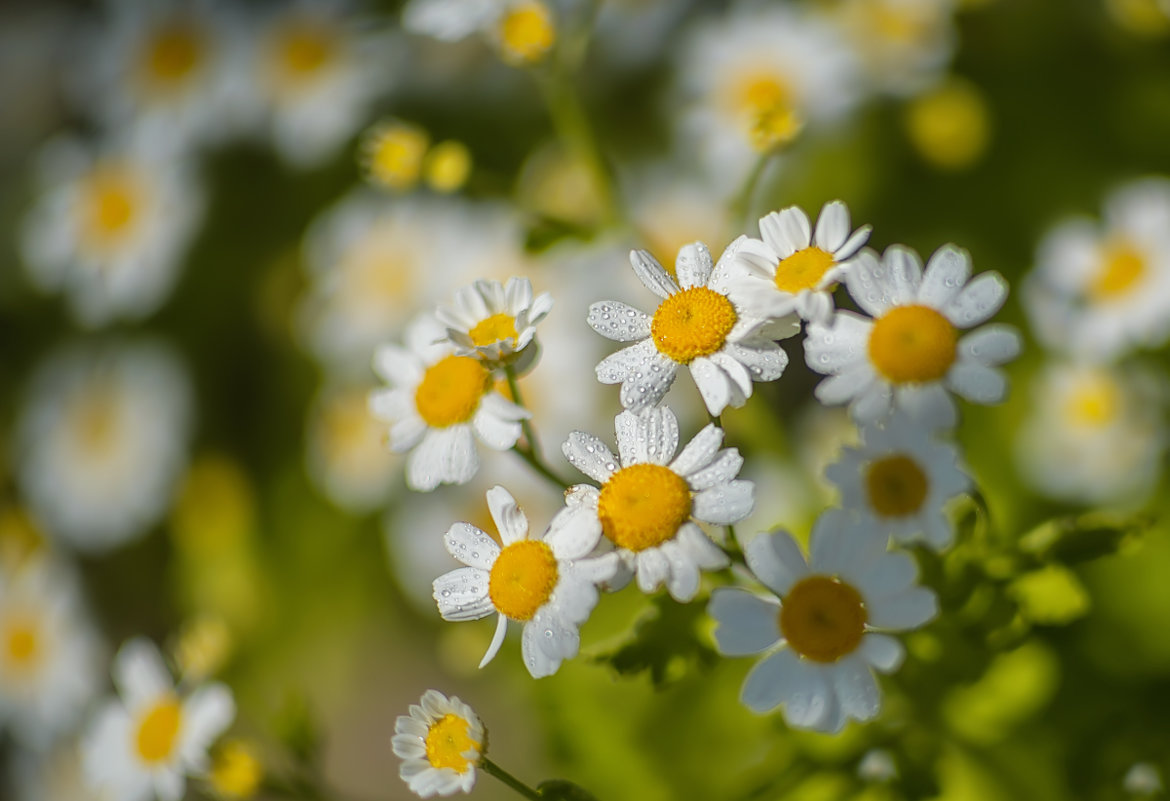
[
  {"x": 203, "y": 647},
  {"x": 525, "y": 33},
  {"x": 447, "y": 166},
  {"x": 392, "y": 154},
  {"x": 236, "y": 770},
  {"x": 950, "y": 126}
]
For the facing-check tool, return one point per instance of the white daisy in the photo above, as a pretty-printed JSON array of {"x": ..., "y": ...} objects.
[
  {"x": 523, "y": 31},
  {"x": 697, "y": 327},
  {"x": 910, "y": 354},
  {"x": 904, "y": 45},
  {"x": 345, "y": 449},
  {"x": 110, "y": 229},
  {"x": 650, "y": 502},
  {"x": 142, "y": 745},
  {"x": 496, "y": 322},
  {"x": 102, "y": 439},
  {"x": 792, "y": 270},
  {"x": 437, "y": 404},
  {"x": 1100, "y": 290},
  {"x": 441, "y": 743},
  {"x": 547, "y": 583},
  {"x": 822, "y": 636},
  {"x": 898, "y": 480},
  {"x": 48, "y": 652}
]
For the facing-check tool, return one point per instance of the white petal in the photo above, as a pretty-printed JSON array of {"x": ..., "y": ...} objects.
[
  {"x": 657, "y": 435},
  {"x": 834, "y": 348},
  {"x": 721, "y": 470},
  {"x": 699, "y": 548},
  {"x": 978, "y": 301},
  {"x": 545, "y": 643},
  {"x": 740, "y": 377},
  {"x": 784, "y": 678},
  {"x": 497, "y": 640},
  {"x": 496, "y": 433},
  {"x": 574, "y": 598},
  {"x": 854, "y": 243},
  {"x": 207, "y": 713},
  {"x": 928, "y": 404},
  {"x": 619, "y": 322},
  {"x": 946, "y": 273},
  {"x": 693, "y": 266},
  {"x": 653, "y": 569},
  {"x": 882, "y": 651},
  {"x": 904, "y": 272},
  {"x": 764, "y": 362},
  {"x": 169, "y": 784},
  {"x": 868, "y": 285},
  {"x": 683, "y": 583},
  {"x": 977, "y": 383},
  {"x": 139, "y": 673},
  {"x": 907, "y": 610},
  {"x": 725, "y": 504},
  {"x": 747, "y": 624},
  {"x": 856, "y": 689},
  {"x": 652, "y": 275},
  {"x": 871, "y": 404},
  {"x": 644, "y": 373},
  {"x": 893, "y": 573},
  {"x": 776, "y": 560},
  {"x": 590, "y": 455},
  {"x": 851, "y": 382},
  {"x": 991, "y": 344},
  {"x": 573, "y": 533},
  {"x": 462, "y": 594},
  {"x": 715, "y": 386},
  {"x": 699, "y": 451},
  {"x": 397, "y": 365},
  {"x": 471, "y": 546},
  {"x": 832, "y": 226},
  {"x": 786, "y": 231},
  {"x": 509, "y": 518},
  {"x": 840, "y": 547}
]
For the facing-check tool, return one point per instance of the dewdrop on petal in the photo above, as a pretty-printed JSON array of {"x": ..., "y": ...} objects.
[
  {"x": 447, "y": 166},
  {"x": 441, "y": 742},
  {"x": 392, "y": 154}
]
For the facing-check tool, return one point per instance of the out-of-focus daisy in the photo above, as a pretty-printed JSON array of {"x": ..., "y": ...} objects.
[
  {"x": 392, "y": 153},
  {"x": 950, "y": 125},
  {"x": 671, "y": 211},
  {"x": 345, "y": 449},
  {"x": 236, "y": 770},
  {"x": 909, "y": 355},
  {"x": 110, "y": 229},
  {"x": 54, "y": 774},
  {"x": 903, "y": 45},
  {"x": 546, "y": 583},
  {"x": 102, "y": 439},
  {"x": 823, "y": 637},
  {"x": 898, "y": 480},
  {"x": 48, "y": 652},
  {"x": 496, "y": 322},
  {"x": 1100, "y": 290},
  {"x": 437, "y": 404},
  {"x": 143, "y": 744},
  {"x": 650, "y": 502},
  {"x": 447, "y": 166},
  {"x": 1095, "y": 434},
  {"x": 441, "y": 743},
  {"x": 696, "y": 326},
  {"x": 793, "y": 270},
  {"x": 523, "y": 31}
]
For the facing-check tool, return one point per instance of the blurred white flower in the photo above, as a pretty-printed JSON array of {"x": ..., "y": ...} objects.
[
  {"x": 345, "y": 449},
  {"x": 904, "y": 45},
  {"x": 523, "y": 31},
  {"x": 441, "y": 742},
  {"x": 52, "y": 775}
]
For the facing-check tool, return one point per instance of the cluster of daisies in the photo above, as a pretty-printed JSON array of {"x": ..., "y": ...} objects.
[{"x": 660, "y": 514}]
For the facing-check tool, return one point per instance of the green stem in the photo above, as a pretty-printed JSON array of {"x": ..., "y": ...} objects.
[
  {"x": 741, "y": 207},
  {"x": 520, "y": 787},
  {"x": 530, "y": 452},
  {"x": 535, "y": 462}
]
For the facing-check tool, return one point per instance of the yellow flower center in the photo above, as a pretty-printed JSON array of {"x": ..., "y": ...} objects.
[
  {"x": 692, "y": 323},
  {"x": 526, "y": 33},
  {"x": 22, "y": 644},
  {"x": 236, "y": 770},
  {"x": 766, "y": 102},
  {"x": 447, "y": 166},
  {"x": 522, "y": 578},
  {"x": 451, "y": 390},
  {"x": 395, "y": 155},
  {"x": 109, "y": 205},
  {"x": 158, "y": 731},
  {"x": 823, "y": 618},
  {"x": 643, "y": 505},
  {"x": 172, "y": 54},
  {"x": 1122, "y": 271},
  {"x": 304, "y": 49},
  {"x": 448, "y": 739},
  {"x": 494, "y": 329},
  {"x": 804, "y": 269},
  {"x": 95, "y": 421},
  {"x": 896, "y": 486},
  {"x": 912, "y": 344},
  {"x": 1095, "y": 402}
]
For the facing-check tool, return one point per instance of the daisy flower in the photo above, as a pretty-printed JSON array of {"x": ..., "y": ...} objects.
[
  {"x": 898, "y": 480},
  {"x": 697, "y": 327},
  {"x": 792, "y": 269},
  {"x": 523, "y": 31},
  {"x": 822, "y": 636},
  {"x": 903, "y": 45},
  {"x": 496, "y": 322},
  {"x": 545, "y": 583},
  {"x": 909, "y": 354},
  {"x": 345, "y": 449},
  {"x": 142, "y": 745},
  {"x": 441, "y": 743},
  {"x": 650, "y": 502},
  {"x": 437, "y": 404}
]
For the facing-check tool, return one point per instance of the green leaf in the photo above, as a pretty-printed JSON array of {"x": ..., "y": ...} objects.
[
  {"x": 1082, "y": 538},
  {"x": 666, "y": 643},
  {"x": 563, "y": 790}
]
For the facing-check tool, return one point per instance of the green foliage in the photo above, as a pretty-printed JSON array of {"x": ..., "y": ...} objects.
[{"x": 665, "y": 643}]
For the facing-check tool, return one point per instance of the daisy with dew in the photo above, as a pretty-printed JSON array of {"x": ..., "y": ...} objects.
[
  {"x": 546, "y": 583},
  {"x": 792, "y": 269},
  {"x": 822, "y": 636},
  {"x": 696, "y": 326},
  {"x": 898, "y": 480},
  {"x": 909, "y": 354},
  {"x": 144, "y": 744},
  {"x": 650, "y": 502},
  {"x": 437, "y": 404},
  {"x": 441, "y": 743},
  {"x": 496, "y": 322}
]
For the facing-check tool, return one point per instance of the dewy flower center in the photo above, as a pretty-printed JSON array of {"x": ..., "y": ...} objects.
[
  {"x": 896, "y": 486},
  {"x": 692, "y": 323},
  {"x": 643, "y": 505},
  {"x": 522, "y": 579},
  {"x": 451, "y": 390},
  {"x": 172, "y": 55},
  {"x": 1121, "y": 272},
  {"x": 494, "y": 329},
  {"x": 158, "y": 731},
  {"x": 804, "y": 269},
  {"x": 912, "y": 344},
  {"x": 526, "y": 33},
  {"x": 447, "y": 742},
  {"x": 823, "y": 619}
]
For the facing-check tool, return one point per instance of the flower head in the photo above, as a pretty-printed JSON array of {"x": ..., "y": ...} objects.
[
  {"x": 496, "y": 322},
  {"x": 441, "y": 743}
]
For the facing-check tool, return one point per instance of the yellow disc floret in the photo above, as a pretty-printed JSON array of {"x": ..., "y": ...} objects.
[
  {"x": 158, "y": 730},
  {"x": 447, "y": 166},
  {"x": 765, "y": 102},
  {"x": 304, "y": 49},
  {"x": 912, "y": 344},
  {"x": 22, "y": 644},
  {"x": 109, "y": 204},
  {"x": 804, "y": 269},
  {"x": 394, "y": 154},
  {"x": 823, "y": 619},
  {"x": 643, "y": 505},
  {"x": 448, "y": 740},
  {"x": 236, "y": 770},
  {"x": 171, "y": 55},
  {"x": 896, "y": 486},
  {"x": 692, "y": 323},
  {"x": 1094, "y": 402},
  {"x": 526, "y": 33},
  {"x": 1122, "y": 270},
  {"x": 494, "y": 329},
  {"x": 451, "y": 390},
  {"x": 522, "y": 579}
]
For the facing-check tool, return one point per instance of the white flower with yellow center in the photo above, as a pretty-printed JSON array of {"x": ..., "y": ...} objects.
[
  {"x": 48, "y": 652},
  {"x": 909, "y": 354},
  {"x": 110, "y": 229},
  {"x": 904, "y": 45},
  {"x": 523, "y": 31},
  {"x": 142, "y": 745},
  {"x": 496, "y": 322},
  {"x": 650, "y": 502},
  {"x": 823, "y": 636},
  {"x": 547, "y": 584},
  {"x": 898, "y": 480},
  {"x": 697, "y": 326},
  {"x": 437, "y": 404},
  {"x": 441, "y": 743},
  {"x": 101, "y": 441},
  {"x": 793, "y": 270},
  {"x": 1099, "y": 291},
  {"x": 345, "y": 449}
]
